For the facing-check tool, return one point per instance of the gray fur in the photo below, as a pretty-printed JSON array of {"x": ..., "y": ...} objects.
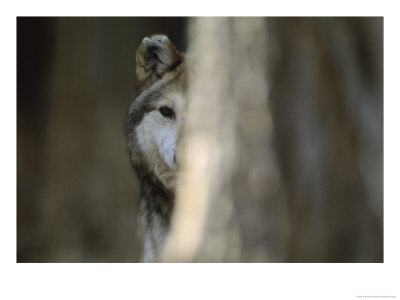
[{"x": 160, "y": 71}]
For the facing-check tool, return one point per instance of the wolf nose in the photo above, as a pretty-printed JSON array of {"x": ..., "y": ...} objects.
[{"x": 175, "y": 158}]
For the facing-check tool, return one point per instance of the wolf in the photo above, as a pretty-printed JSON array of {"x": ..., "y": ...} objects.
[{"x": 153, "y": 129}]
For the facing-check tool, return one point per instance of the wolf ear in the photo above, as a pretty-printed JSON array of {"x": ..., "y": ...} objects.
[{"x": 155, "y": 56}]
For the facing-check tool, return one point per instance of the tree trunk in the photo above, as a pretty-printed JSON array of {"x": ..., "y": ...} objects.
[{"x": 283, "y": 149}]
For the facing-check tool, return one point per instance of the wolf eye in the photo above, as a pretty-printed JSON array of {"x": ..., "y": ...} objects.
[{"x": 167, "y": 112}]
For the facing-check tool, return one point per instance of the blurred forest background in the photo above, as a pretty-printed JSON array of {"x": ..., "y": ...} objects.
[
  {"x": 306, "y": 184},
  {"x": 76, "y": 192}
]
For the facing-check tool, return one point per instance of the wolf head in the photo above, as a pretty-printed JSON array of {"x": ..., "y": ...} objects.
[{"x": 157, "y": 112}]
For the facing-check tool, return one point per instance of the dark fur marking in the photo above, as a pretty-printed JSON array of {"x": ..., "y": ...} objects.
[{"x": 175, "y": 64}]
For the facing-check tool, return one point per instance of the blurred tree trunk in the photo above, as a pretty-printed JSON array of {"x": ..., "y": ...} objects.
[
  {"x": 283, "y": 149},
  {"x": 86, "y": 214}
]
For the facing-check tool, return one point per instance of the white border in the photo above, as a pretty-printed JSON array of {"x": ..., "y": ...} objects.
[{"x": 197, "y": 281}]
